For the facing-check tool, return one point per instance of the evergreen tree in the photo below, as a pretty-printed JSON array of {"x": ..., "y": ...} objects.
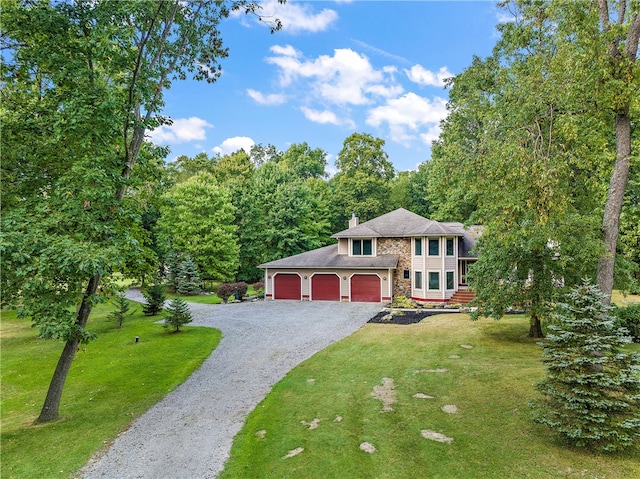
[
  {"x": 122, "y": 310},
  {"x": 155, "y": 297},
  {"x": 188, "y": 278},
  {"x": 592, "y": 389},
  {"x": 177, "y": 314}
]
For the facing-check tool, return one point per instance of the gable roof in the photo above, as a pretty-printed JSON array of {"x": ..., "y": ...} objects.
[
  {"x": 328, "y": 257},
  {"x": 401, "y": 223}
]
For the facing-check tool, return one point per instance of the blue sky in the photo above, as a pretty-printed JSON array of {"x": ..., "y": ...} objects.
[{"x": 337, "y": 67}]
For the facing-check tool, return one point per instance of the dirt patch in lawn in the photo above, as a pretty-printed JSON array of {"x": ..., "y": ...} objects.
[{"x": 404, "y": 317}]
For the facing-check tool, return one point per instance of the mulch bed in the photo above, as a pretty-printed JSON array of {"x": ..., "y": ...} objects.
[{"x": 407, "y": 317}]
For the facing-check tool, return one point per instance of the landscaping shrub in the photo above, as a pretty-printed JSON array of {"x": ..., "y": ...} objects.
[
  {"x": 177, "y": 314},
  {"x": 226, "y": 290},
  {"x": 403, "y": 302},
  {"x": 592, "y": 388},
  {"x": 629, "y": 317},
  {"x": 258, "y": 287},
  {"x": 155, "y": 298}
]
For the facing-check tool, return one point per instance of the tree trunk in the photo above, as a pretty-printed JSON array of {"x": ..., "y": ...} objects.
[
  {"x": 613, "y": 205},
  {"x": 51, "y": 404},
  {"x": 535, "y": 328}
]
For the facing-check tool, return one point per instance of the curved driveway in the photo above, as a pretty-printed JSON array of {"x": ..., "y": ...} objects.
[{"x": 189, "y": 433}]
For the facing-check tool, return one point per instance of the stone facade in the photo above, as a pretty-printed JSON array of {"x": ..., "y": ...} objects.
[{"x": 401, "y": 247}]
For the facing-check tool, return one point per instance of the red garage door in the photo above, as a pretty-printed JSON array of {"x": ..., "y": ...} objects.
[
  {"x": 287, "y": 286},
  {"x": 325, "y": 287},
  {"x": 365, "y": 288}
]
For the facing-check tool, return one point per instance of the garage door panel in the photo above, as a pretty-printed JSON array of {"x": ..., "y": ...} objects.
[
  {"x": 325, "y": 287},
  {"x": 365, "y": 288},
  {"x": 287, "y": 286}
]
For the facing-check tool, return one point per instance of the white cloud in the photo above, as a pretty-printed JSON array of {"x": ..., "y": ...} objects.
[
  {"x": 295, "y": 17},
  {"x": 316, "y": 116},
  {"x": 262, "y": 99},
  {"x": 346, "y": 78},
  {"x": 420, "y": 75},
  {"x": 231, "y": 145},
  {"x": 325, "y": 117},
  {"x": 410, "y": 117},
  {"x": 182, "y": 130}
]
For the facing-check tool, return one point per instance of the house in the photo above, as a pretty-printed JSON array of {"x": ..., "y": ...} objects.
[{"x": 397, "y": 254}]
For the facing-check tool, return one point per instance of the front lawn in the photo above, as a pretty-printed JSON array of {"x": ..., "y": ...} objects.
[
  {"x": 112, "y": 381},
  {"x": 467, "y": 381}
]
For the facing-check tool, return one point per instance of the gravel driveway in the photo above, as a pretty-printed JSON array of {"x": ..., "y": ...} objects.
[{"x": 188, "y": 434}]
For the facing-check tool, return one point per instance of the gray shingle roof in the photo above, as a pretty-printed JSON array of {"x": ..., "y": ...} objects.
[
  {"x": 328, "y": 257},
  {"x": 401, "y": 223}
]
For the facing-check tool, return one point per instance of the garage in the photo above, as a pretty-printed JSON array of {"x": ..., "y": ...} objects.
[
  {"x": 325, "y": 287},
  {"x": 365, "y": 288},
  {"x": 287, "y": 286}
]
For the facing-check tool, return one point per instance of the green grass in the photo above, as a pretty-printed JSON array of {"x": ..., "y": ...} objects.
[
  {"x": 111, "y": 382},
  {"x": 490, "y": 384},
  {"x": 210, "y": 298},
  {"x": 624, "y": 300}
]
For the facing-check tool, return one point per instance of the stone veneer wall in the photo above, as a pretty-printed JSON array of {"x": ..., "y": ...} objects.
[{"x": 401, "y": 247}]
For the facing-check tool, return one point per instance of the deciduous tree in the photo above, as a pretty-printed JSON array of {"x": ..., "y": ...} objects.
[
  {"x": 361, "y": 185},
  {"x": 82, "y": 83},
  {"x": 198, "y": 219}
]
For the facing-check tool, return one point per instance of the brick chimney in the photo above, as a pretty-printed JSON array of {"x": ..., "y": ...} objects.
[{"x": 353, "y": 222}]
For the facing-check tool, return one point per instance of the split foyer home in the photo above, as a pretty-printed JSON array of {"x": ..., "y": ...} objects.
[{"x": 397, "y": 254}]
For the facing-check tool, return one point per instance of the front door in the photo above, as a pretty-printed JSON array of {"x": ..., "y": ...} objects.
[{"x": 464, "y": 269}]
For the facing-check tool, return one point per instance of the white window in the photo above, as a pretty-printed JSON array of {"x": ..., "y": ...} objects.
[
  {"x": 418, "y": 246},
  {"x": 418, "y": 280},
  {"x": 362, "y": 247},
  {"x": 449, "y": 248},
  {"x": 434, "y": 280},
  {"x": 450, "y": 280},
  {"x": 434, "y": 246}
]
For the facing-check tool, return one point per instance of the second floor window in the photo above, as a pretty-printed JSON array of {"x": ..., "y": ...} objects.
[
  {"x": 361, "y": 247},
  {"x": 418, "y": 246},
  {"x": 450, "y": 249},
  {"x": 434, "y": 246}
]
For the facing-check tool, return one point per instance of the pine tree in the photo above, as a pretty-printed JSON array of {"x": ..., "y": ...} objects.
[
  {"x": 592, "y": 389},
  {"x": 122, "y": 310},
  {"x": 155, "y": 297},
  {"x": 172, "y": 264},
  {"x": 177, "y": 314},
  {"x": 188, "y": 278}
]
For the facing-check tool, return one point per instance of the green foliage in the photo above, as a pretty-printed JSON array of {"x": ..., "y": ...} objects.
[
  {"x": 361, "y": 185},
  {"x": 177, "y": 314},
  {"x": 629, "y": 318},
  {"x": 122, "y": 310},
  {"x": 188, "y": 278},
  {"x": 592, "y": 389},
  {"x": 82, "y": 84},
  {"x": 155, "y": 297},
  {"x": 630, "y": 229},
  {"x": 305, "y": 162},
  {"x": 198, "y": 219},
  {"x": 258, "y": 287},
  {"x": 403, "y": 302}
]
